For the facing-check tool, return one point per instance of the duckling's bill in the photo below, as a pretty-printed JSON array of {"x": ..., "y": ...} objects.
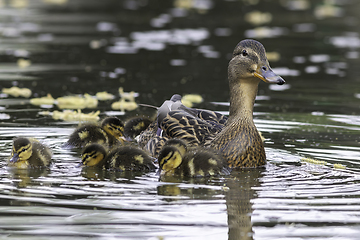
[
  {"x": 14, "y": 158},
  {"x": 266, "y": 74},
  {"x": 158, "y": 172}
]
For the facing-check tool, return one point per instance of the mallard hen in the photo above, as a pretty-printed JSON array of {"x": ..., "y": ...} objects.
[{"x": 236, "y": 138}]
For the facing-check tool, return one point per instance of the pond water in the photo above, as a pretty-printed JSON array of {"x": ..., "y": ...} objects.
[{"x": 158, "y": 48}]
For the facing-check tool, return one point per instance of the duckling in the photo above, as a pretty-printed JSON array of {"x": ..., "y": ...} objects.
[
  {"x": 29, "y": 153},
  {"x": 236, "y": 137},
  {"x": 124, "y": 158},
  {"x": 197, "y": 162},
  {"x": 179, "y": 144},
  {"x": 129, "y": 158},
  {"x": 134, "y": 126},
  {"x": 109, "y": 133},
  {"x": 93, "y": 155},
  {"x": 114, "y": 128}
]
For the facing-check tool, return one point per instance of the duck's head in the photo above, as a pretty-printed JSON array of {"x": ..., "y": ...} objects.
[
  {"x": 169, "y": 159},
  {"x": 177, "y": 143},
  {"x": 22, "y": 150},
  {"x": 113, "y": 126},
  {"x": 249, "y": 61},
  {"x": 93, "y": 155}
]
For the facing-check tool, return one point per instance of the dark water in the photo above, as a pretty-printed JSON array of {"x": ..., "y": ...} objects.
[{"x": 158, "y": 48}]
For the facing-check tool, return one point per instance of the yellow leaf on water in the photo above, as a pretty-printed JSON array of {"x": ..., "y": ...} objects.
[
  {"x": 23, "y": 63},
  {"x": 48, "y": 100},
  {"x": 17, "y": 92}
]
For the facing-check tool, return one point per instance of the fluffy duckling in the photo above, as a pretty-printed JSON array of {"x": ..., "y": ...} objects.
[
  {"x": 124, "y": 158},
  {"x": 238, "y": 140},
  {"x": 114, "y": 128},
  {"x": 134, "y": 126},
  {"x": 108, "y": 133},
  {"x": 174, "y": 159},
  {"x": 29, "y": 153},
  {"x": 179, "y": 144}
]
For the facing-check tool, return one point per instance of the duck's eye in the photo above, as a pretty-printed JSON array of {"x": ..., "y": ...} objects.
[
  {"x": 264, "y": 68},
  {"x": 244, "y": 53}
]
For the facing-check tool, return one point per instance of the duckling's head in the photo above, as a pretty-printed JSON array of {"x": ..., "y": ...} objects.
[
  {"x": 134, "y": 126},
  {"x": 249, "y": 61},
  {"x": 22, "y": 150},
  {"x": 177, "y": 143},
  {"x": 93, "y": 155},
  {"x": 169, "y": 158},
  {"x": 113, "y": 126}
]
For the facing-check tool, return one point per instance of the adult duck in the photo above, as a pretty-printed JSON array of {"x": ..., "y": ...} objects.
[{"x": 238, "y": 139}]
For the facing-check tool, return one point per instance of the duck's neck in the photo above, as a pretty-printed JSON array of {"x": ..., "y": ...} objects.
[
  {"x": 239, "y": 142},
  {"x": 242, "y": 99}
]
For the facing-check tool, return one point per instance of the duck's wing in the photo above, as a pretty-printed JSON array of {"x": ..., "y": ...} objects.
[
  {"x": 169, "y": 105},
  {"x": 148, "y": 134},
  {"x": 203, "y": 114},
  {"x": 192, "y": 129},
  {"x": 155, "y": 144},
  {"x": 211, "y": 116},
  {"x": 175, "y": 120},
  {"x": 153, "y": 130}
]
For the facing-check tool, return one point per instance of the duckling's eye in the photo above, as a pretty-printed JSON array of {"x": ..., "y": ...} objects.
[
  {"x": 163, "y": 162},
  {"x": 244, "y": 53},
  {"x": 22, "y": 150}
]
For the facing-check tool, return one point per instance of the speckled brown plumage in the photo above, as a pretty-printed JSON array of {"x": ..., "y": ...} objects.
[
  {"x": 236, "y": 137},
  {"x": 240, "y": 144},
  {"x": 155, "y": 144},
  {"x": 148, "y": 134},
  {"x": 195, "y": 131}
]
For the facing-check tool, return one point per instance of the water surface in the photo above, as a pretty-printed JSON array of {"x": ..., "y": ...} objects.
[{"x": 158, "y": 48}]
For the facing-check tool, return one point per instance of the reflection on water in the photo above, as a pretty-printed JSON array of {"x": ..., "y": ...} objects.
[
  {"x": 158, "y": 48},
  {"x": 239, "y": 203}
]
